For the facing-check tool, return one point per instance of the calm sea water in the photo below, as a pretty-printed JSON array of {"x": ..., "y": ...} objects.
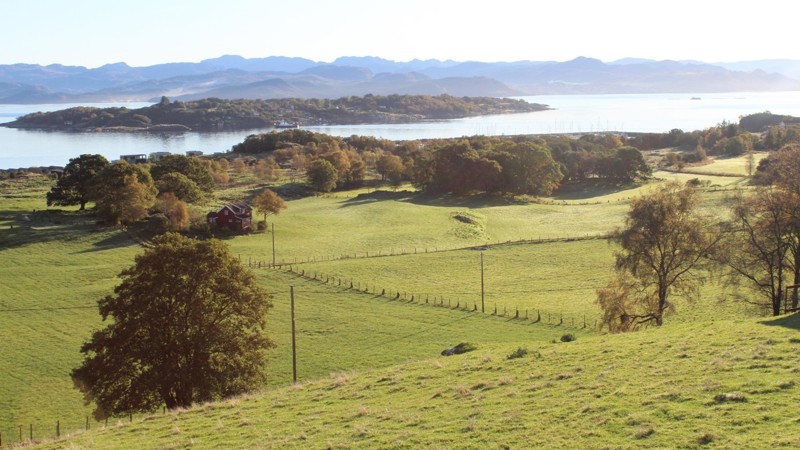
[{"x": 572, "y": 114}]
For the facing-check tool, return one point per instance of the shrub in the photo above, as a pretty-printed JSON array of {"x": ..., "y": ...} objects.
[
  {"x": 518, "y": 353},
  {"x": 569, "y": 337}
]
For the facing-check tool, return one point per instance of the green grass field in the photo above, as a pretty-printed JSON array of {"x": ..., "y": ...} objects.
[
  {"x": 57, "y": 263},
  {"x": 730, "y": 384},
  {"x": 736, "y": 166}
]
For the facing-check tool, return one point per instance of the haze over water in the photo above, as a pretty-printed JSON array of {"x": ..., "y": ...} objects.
[{"x": 571, "y": 114}]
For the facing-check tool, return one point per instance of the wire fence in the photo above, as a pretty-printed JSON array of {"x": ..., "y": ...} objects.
[
  {"x": 23, "y": 435},
  {"x": 255, "y": 262},
  {"x": 531, "y": 315}
]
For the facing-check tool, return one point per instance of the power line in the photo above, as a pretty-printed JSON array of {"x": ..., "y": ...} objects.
[{"x": 48, "y": 308}]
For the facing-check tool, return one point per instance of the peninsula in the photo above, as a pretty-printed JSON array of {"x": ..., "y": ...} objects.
[{"x": 215, "y": 114}]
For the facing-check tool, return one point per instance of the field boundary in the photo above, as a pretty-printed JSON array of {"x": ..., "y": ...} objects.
[
  {"x": 531, "y": 315},
  {"x": 260, "y": 263}
]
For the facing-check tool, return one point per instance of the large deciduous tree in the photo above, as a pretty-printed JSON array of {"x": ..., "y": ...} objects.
[
  {"x": 124, "y": 193},
  {"x": 192, "y": 168},
  {"x": 758, "y": 249},
  {"x": 185, "y": 325},
  {"x": 663, "y": 244},
  {"x": 75, "y": 185},
  {"x": 180, "y": 186}
]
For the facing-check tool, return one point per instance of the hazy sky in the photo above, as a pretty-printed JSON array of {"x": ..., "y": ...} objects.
[{"x": 145, "y": 32}]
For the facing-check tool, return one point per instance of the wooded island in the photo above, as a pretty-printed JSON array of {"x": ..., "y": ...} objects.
[{"x": 215, "y": 114}]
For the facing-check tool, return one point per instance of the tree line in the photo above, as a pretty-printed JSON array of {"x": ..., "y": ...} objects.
[{"x": 535, "y": 165}]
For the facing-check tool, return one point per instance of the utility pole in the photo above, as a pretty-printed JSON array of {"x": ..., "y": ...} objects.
[
  {"x": 294, "y": 343},
  {"x": 273, "y": 244},
  {"x": 483, "y": 293}
]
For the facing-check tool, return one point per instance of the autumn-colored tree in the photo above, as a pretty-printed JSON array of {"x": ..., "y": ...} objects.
[
  {"x": 175, "y": 210},
  {"x": 268, "y": 202},
  {"x": 389, "y": 166},
  {"x": 239, "y": 166},
  {"x": 266, "y": 169},
  {"x": 186, "y": 325},
  {"x": 664, "y": 245},
  {"x": 124, "y": 193}
]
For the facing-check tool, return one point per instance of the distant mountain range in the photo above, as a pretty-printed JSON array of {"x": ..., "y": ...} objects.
[{"x": 231, "y": 77}]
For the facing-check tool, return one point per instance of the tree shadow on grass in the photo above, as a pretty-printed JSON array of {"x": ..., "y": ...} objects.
[
  {"x": 377, "y": 196},
  {"x": 117, "y": 240},
  {"x": 442, "y": 200},
  {"x": 465, "y": 201},
  {"x": 791, "y": 321},
  {"x": 588, "y": 189},
  {"x": 54, "y": 225}
]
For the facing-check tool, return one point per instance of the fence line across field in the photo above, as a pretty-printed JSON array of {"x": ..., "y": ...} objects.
[
  {"x": 534, "y": 315},
  {"x": 258, "y": 263},
  {"x": 33, "y": 433}
]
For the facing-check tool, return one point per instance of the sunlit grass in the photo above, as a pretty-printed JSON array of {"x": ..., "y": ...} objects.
[{"x": 729, "y": 384}]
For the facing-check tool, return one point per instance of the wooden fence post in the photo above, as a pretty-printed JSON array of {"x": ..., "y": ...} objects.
[{"x": 58, "y": 428}]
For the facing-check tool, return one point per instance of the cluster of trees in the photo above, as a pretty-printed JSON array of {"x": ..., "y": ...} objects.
[
  {"x": 667, "y": 247},
  {"x": 214, "y": 114},
  {"x": 125, "y": 193},
  {"x": 501, "y": 165},
  {"x": 755, "y": 132},
  {"x": 515, "y": 168},
  {"x": 161, "y": 191}
]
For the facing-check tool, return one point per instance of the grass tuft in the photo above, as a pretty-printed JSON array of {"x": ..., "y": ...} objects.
[
  {"x": 728, "y": 397},
  {"x": 704, "y": 438},
  {"x": 643, "y": 432}
]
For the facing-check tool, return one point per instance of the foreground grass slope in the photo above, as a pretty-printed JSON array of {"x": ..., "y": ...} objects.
[{"x": 730, "y": 384}]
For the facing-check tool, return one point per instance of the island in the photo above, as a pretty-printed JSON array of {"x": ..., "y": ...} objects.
[{"x": 214, "y": 114}]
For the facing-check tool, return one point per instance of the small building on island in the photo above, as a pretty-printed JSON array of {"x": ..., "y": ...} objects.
[
  {"x": 234, "y": 216},
  {"x": 134, "y": 159},
  {"x": 194, "y": 153},
  {"x": 155, "y": 156}
]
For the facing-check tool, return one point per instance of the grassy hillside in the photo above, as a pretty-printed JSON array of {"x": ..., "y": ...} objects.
[
  {"x": 731, "y": 384},
  {"x": 57, "y": 263}
]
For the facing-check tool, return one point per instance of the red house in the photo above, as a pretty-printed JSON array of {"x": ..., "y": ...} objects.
[{"x": 236, "y": 216}]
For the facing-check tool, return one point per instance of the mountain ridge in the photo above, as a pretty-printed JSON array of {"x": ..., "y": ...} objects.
[{"x": 233, "y": 76}]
